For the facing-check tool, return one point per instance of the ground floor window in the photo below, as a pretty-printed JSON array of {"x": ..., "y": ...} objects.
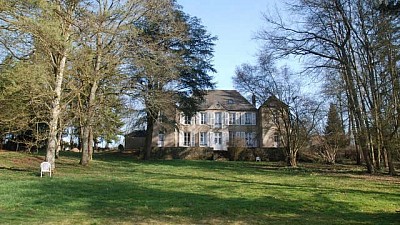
[
  {"x": 203, "y": 139},
  {"x": 250, "y": 139},
  {"x": 277, "y": 140},
  {"x": 161, "y": 138},
  {"x": 186, "y": 138}
]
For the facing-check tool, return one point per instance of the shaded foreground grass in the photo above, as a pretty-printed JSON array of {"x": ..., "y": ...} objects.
[{"x": 115, "y": 189}]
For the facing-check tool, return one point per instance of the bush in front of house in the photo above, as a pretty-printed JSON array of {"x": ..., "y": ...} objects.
[{"x": 191, "y": 153}]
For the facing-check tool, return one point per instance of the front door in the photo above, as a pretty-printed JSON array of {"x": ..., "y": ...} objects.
[{"x": 218, "y": 141}]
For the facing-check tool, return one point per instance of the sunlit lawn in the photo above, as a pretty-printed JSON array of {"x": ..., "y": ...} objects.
[{"x": 116, "y": 189}]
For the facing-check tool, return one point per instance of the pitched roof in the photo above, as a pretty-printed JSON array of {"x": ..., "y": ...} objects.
[
  {"x": 230, "y": 100},
  {"x": 137, "y": 133},
  {"x": 274, "y": 102}
]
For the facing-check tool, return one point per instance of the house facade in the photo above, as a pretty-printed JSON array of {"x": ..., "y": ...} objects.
[{"x": 225, "y": 119}]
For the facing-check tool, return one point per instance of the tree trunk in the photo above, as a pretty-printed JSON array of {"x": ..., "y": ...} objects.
[
  {"x": 292, "y": 159},
  {"x": 91, "y": 143},
  {"x": 149, "y": 137},
  {"x": 85, "y": 146},
  {"x": 87, "y": 137},
  {"x": 55, "y": 112},
  {"x": 59, "y": 144},
  {"x": 392, "y": 170}
]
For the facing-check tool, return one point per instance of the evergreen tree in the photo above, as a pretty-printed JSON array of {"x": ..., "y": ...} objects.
[
  {"x": 334, "y": 135},
  {"x": 171, "y": 60}
]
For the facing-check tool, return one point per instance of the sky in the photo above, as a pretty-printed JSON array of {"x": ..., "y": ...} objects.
[{"x": 235, "y": 23}]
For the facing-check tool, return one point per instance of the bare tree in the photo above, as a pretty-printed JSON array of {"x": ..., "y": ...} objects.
[{"x": 346, "y": 36}]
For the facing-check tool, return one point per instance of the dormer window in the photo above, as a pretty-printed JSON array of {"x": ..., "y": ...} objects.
[{"x": 230, "y": 101}]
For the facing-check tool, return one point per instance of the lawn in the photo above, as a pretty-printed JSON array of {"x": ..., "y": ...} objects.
[{"x": 115, "y": 189}]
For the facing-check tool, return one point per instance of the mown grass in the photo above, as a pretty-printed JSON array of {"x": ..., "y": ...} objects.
[{"x": 116, "y": 189}]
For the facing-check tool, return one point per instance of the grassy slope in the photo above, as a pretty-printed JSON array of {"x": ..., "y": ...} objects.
[{"x": 115, "y": 189}]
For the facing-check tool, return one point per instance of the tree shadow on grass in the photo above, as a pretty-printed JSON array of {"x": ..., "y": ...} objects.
[{"x": 105, "y": 201}]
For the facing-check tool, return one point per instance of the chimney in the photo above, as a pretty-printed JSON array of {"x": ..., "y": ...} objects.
[{"x": 253, "y": 100}]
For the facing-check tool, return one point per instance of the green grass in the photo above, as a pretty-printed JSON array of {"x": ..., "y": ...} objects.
[{"x": 116, "y": 189}]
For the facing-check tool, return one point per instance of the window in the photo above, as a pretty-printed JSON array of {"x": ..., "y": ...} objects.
[
  {"x": 230, "y": 101},
  {"x": 232, "y": 136},
  {"x": 249, "y": 139},
  {"x": 277, "y": 140},
  {"x": 218, "y": 119},
  {"x": 161, "y": 139},
  {"x": 161, "y": 136},
  {"x": 218, "y": 138},
  {"x": 203, "y": 118},
  {"x": 187, "y": 119},
  {"x": 247, "y": 118},
  {"x": 186, "y": 139},
  {"x": 203, "y": 139},
  {"x": 232, "y": 118}
]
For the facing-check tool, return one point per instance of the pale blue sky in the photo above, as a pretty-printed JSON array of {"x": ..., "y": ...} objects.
[{"x": 235, "y": 23}]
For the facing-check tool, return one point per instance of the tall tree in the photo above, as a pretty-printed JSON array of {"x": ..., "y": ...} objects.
[
  {"x": 102, "y": 46},
  {"x": 171, "y": 58},
  {"x": 48, "y": 28}
]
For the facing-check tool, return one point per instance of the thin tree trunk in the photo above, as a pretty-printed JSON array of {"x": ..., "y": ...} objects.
[{"x": 90, "y": 144}]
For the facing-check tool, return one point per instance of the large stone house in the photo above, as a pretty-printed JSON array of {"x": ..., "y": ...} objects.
[{"x": 224, "y": 119}]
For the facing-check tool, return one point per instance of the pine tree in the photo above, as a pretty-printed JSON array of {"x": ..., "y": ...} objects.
[{"x": 334, "y": 135}]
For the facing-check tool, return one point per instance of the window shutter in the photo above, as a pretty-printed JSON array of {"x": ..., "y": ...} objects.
[
  {"x": 225, "y": 139},
  {"x": 192, "y": 139},
  {"x": 226, "y": 118},
  {"x": 253, "y": 119},
  {"x": 211, "y": 118},
  {"x": 211, "y": 139},
  {"x": 181, "y": 138},
  {"x": 196, "y": 118}
]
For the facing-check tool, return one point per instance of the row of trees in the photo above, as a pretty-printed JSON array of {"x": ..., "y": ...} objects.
[
  {"x": 75, "y": 64},
  {"x": 353, "y": 45}
]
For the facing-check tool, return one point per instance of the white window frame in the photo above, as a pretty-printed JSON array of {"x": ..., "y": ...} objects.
[
  {"x": 248, "y": 118},
  {"x": 187, "y": 120},
  {"x": 232, "y": 118},
  {"x": 277, "y": 140},
  {"x": 161, "y": 139},
  {"x": 218, "y": 119},
  {"x": 250, "y": 138},
  {"x": 203, "y": 139},
  {"x": 203, "y": 118},
  {"x": 187, "y": 140},
  {"x": 218, "y": 138}
]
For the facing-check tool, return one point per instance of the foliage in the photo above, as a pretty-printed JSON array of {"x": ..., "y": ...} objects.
[{"x": 169, "y": 63}]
